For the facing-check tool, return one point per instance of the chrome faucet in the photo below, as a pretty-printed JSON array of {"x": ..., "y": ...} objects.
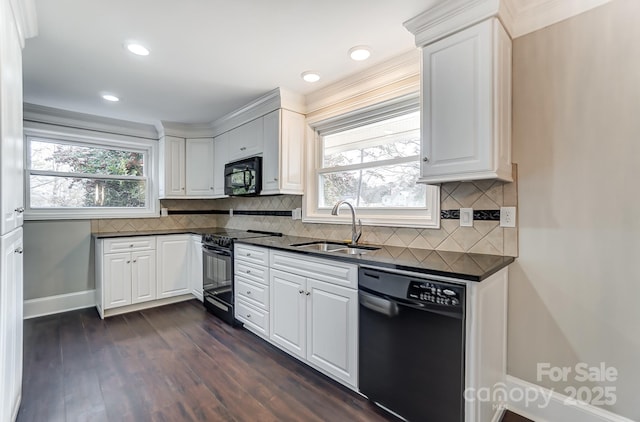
[{"x": 355, "y": 233}]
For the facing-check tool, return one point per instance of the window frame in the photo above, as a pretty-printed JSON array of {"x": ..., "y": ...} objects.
[
  {"x": 148, "y": 147},
  {"x": 427, "y": 217}
]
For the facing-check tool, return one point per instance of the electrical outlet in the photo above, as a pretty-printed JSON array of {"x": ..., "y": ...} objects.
[
  {"x": 230, "y": 212},
  {"x": 296, "y": 214},
  {"x": 507, "y": 216},
  {"x": 466, "y": 217}
]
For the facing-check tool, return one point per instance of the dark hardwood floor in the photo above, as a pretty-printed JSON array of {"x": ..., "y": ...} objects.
[{"x": 174, "y": 363}]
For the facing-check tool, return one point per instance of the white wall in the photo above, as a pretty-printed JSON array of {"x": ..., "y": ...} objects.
[
  {"x": 575, "y": 288},
  {"x": 58, "y": 258}
]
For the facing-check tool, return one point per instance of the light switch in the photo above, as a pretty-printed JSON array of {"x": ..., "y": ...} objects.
[{"x": 466, "y": 217}]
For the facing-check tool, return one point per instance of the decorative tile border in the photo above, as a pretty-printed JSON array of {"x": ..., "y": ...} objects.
[
  {"x": 270, "y": 213},
  {"x": 481, "y": 215}
]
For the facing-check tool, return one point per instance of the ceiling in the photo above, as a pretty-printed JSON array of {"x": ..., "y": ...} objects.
[{"x": 208, "y": 57}]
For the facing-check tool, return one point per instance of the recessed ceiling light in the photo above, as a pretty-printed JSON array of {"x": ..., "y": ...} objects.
[
  {"x": 138, "y": 49},
  {"x": 360, "y": 52},
  {"x": 111, "y": 98},
  {"x": 310, "y": 76}
]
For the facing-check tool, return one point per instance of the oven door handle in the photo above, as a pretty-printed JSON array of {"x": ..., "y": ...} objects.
[
  {"x": 208, "y": 249},
  {"x": 378, "y": 304}
]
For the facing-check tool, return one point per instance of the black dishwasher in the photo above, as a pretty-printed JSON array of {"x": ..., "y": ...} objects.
[{"x": 411, "y": 354}]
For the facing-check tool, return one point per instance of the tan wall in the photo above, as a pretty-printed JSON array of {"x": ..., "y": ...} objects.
[{"x": 574, "y": 289}]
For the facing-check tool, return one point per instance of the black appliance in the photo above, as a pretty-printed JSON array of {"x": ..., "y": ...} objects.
[
  {"x": 244, "y": 177},
  {"x": 217, "y": 269},
  {"x": 412, "y": 340}
]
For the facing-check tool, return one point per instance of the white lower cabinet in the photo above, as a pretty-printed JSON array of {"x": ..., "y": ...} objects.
[
  {"x": 313, "y": 319},
  {"x": 251, "y": 288},
  {"x": 173, "y": 265},
  {"x": 139, "y": 272}
]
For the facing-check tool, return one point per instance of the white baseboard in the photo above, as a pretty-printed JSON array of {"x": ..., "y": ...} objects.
[
  {"x": 60, "y": 303},
  {"x": 551, "y": 406}
]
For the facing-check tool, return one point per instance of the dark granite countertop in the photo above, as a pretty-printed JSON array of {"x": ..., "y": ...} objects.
[
  {"x": 157, "y": 232},
  {"x": 464, "y": 266}
]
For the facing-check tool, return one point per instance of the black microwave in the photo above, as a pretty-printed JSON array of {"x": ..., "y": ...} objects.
[{"x": 244, "y": 177}]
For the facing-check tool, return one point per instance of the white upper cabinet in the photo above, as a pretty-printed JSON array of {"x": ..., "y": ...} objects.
[
  {"x": 246, "y": 140},
  {"x": 466, "y": 105},
  {"x": 199, "y": 164},
  {"x": 186, "y": 167},
  {"x": 172, "y": 167},
  {"x": 220, "y": 158},
  {"x": 283, "y": 157},
  {"x": 11, "y": 145}
]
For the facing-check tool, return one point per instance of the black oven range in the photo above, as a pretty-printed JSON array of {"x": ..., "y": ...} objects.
[{"x": 217, "y": 269}]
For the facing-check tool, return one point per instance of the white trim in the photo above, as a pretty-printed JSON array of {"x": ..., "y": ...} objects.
[
  {"x": 558, "y": 409},
  {"x": 60, "y": 303},
  {"x": 144, "y": 305},
  {"x": 73, "y": 120},
  {"x": 24, "y": 14}
]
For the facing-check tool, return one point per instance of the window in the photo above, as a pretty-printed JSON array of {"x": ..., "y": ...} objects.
[
  {"x": 371, "y": 158},
  {"x": 74, "y": 177}
]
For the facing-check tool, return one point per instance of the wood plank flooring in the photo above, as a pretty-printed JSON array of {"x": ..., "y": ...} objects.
[{"x": 174, "y": 363}]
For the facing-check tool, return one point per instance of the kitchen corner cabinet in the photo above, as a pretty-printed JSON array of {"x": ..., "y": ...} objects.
[
  {"x": 173, "y": 265},
  {"x": 186, "y": 167},
  {"x": 283, "y": 157},
  {"x": 314, "y": 312},
  {"x": 11, "y": 276},
  {"x": 466, "y": 105}
]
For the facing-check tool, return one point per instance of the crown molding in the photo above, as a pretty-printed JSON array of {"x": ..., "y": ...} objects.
[
  {"x": 24, "y": 14},
  {"x": 392, "y": 78},
  {"x": 58, "y": 117},
  {"x": 184, "y": 130}
]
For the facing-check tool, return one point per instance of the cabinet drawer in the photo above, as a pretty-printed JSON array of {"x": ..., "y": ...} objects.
[
  {"x": 328, "y": 270},
  {"x": 253, "y": 254},
  {"x": 254, "y": 319},
  {"x": 255, "y": 273},
  {"x": 125, "y": 244},
  {"x": 255, "y": 294}
]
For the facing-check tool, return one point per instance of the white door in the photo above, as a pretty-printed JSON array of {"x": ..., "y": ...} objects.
[
  {"x": 199, "y": 167},
  {"x": 143, "y": 276},
  {"x": 457, "y": 103},
  {"x": 220, "y": 158},
  {"x": 173, "y": 261},
  {"x": 174, "y": 162},
  {"x": 10, "y": 323},
  {"x": 332, "y": 329},
  {"x": 288, "y": 311},
  {"x": 11, "y": 139},
  {"x": 195, "y": 266},
  {"x": 117, "y": 279}
]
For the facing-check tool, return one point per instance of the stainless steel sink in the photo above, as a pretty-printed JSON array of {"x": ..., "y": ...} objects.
[{"x": 324, "y": 246}]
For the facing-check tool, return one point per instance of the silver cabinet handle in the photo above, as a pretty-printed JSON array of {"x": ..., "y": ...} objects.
[
  {"x": 300, "y": 291},
  {"x": 135, "y": 260},
  {"x": 131, "y": 245},
  {"x": 248, "y": 254},
  {"x": 18, "y": 250},
  {"x": 210, "y": 187},
  {"x": 275, "y": 179},
  {"x": 307, "y": 293},
  {"x": 425, "y": 159},
  {"x": 243, "y": 148},
  {"x": 19, "y": 210},
  {"x": 248, "y": 315},
  {"x": 248, "y": 292},
  {"x": 248, "y": 271}
]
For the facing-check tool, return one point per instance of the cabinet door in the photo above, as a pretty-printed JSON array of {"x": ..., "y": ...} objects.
[
  {"x": 288, "y": 311},
  {"x": 195, "y": 266},
  {"x": 10, "y": 323},
  {"x": 332, "y": 329},
  {"x": 174, "y": 166},
  {"x": 292, "y": 134},
  {"x": 246, "y": 140},
  {"x": 143, "y": 276},
  {"x": 220, "y": 158},
  {"x": 11, "y": 139},
  {"x": 173, "y": 264},
  {"x": 117, "y": 279},
  {"x": 457, "y": 108},
  {"x": 199, "y": 167},
  {"x": 271, "y": 154}
]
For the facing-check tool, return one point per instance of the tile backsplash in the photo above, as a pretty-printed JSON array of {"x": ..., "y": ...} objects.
[{"x": 484, "y": 237}]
